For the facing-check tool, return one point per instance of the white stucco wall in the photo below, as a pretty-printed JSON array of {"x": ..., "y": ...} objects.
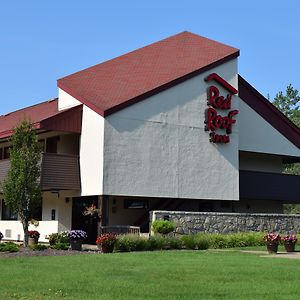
[
  {"x": 159, "y": 148},
  {"x": 13, "y": 230},
  {"x": 91, "y": 153},
  {"x": 65, "y": 100},
  {"x": 257, "y": 135},
  {"x": 62, "y": 203}
]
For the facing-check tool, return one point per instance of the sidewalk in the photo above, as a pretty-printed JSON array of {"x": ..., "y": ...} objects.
[{"x": 291, "y": 255}]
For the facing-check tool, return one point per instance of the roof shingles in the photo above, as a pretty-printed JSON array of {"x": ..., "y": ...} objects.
[
  {"x": 116, "y": 82},
  {"x": 35, "y": 114}
]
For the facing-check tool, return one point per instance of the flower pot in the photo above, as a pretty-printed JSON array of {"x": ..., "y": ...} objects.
[
  {"x": 107, "y": 248},
  {"x": 32, "y": 241},
  {"x": 289, "y": 247},
  {"x": 76, "y": 244},
  {"x": 272, "y": 248}
]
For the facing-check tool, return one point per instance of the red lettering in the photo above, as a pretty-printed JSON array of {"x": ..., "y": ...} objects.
[
  {"x": 215, "y": 121},
  {"x": 211, "y": 115},
  {"x": 231, "y": 120},
  {"x": 216, "y": 138},
  {"x": 213, "y": 94},
  {"x": 217, "y": 101}
]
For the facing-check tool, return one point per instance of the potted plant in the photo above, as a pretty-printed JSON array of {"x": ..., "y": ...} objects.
[
  {"x": 289, "y": 242},
  {"x": 106, "y": 242},
  {"x": 92, "y": 211},
  {"x": 1, "y": 236},
  {"x": 76, "y": 238},
  {"x": 33, "y": 237},
  {"x": 272, "y": 240}
]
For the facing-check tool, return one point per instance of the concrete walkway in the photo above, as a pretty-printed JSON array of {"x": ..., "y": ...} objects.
[{"x": 290, "y": 255}]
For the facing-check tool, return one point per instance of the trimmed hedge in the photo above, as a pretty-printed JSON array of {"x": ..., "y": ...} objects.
[{"x": 163, "y": 226}]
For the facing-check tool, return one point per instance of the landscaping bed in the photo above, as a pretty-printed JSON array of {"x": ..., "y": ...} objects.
[{"x": 27, "y": 252}]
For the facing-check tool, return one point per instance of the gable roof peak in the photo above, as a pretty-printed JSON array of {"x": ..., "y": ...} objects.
[{"x": 132, "y": 77}]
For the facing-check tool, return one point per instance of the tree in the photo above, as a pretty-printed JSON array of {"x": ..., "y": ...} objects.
[
  {"x": 21, "y": 188},
  {"x": 288, "y": 104}
]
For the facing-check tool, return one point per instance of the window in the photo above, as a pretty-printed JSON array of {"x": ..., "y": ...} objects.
[
  {"x": 133, "y": 203},
  {"x": 6, "y": 153},
  {"x": 7, "y": 213},
  {"x": 1, "y": 153},
  {"x": 51, "y": 145}
]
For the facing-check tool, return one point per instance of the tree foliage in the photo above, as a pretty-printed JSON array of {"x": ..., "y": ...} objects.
[
  {"x": 288, "y": 104},
  {"x": 21, "y": 188}
]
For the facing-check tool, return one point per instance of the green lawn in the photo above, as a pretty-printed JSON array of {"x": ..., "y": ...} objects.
[{"x": 151, "y": 275}]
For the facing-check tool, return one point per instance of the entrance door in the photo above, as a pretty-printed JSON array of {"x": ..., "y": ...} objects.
[{"x": 87, "y": 223}]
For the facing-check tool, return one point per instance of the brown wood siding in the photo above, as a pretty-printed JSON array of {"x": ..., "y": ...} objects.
[
  {"x": 4, "y": 167},
  {"x": 60, "y": 172},
  {"x": 68, "y": 121},
  {"x": 269, "y": 186}
]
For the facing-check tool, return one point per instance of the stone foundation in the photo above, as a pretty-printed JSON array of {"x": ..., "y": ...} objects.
[{"x": 213, "y": 222}]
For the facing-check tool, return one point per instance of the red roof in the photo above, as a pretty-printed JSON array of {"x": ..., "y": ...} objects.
[
  {"x": 117, "y": 83},
  {"x": 44, "y": 115},
  {"x": 35, "y": 113}
]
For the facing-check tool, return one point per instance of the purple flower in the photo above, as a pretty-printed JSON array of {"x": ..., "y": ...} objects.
[{"x": 77, "y": 235}]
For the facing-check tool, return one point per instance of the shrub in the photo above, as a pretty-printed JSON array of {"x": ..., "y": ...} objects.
[
  {"x": 9, "y": 247},
  {"x": 38, "y": 247},
  {"x": 173, "y": 243},
  {"x": 142, "y": 244},
  {"x": 61, "y": 237},
  {"x": 240, "y": 239},
  {"x": 253, "y": 238},
  {"x": 131, "y": 242},
  {"x": 202, "y": 241},
  {"x": 189, "y": 241},
  {"x": 163, "y": 226},
  {"x": 157, "y": 242},
  {"x": 60, "y": 246},
  {"x": 1, "y": 236}
]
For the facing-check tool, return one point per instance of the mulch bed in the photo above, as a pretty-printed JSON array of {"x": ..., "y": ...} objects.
[{"x": 26, "y": 252}]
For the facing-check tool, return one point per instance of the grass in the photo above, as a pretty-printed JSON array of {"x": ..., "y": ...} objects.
[{"x": 150, "y": 275}]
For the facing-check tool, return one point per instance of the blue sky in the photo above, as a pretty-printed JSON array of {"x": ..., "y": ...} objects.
[{"x": 42, "y": 41}]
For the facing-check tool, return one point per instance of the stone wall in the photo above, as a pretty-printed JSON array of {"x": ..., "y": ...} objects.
[{"x": 213, "y": 222}]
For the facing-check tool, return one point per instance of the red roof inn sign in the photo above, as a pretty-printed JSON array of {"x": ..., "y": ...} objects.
[{"x": 216, "y": 102}]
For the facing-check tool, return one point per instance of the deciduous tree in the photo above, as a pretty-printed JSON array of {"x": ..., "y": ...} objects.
[
  {"x": 288, "y": 104},
  {"x": 21, "y": 188}
]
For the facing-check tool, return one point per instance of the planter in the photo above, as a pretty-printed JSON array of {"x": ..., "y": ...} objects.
[
  {"x": 32, "y": 241},
  {"x": 272, "y": 248},
  {"x": 289, "y": 247},
  {"x": 76, "y": 244},
  {"x": 106, "y": 249}
]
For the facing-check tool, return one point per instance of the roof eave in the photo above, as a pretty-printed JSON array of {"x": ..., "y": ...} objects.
[{"x": 268, "y": 111}]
